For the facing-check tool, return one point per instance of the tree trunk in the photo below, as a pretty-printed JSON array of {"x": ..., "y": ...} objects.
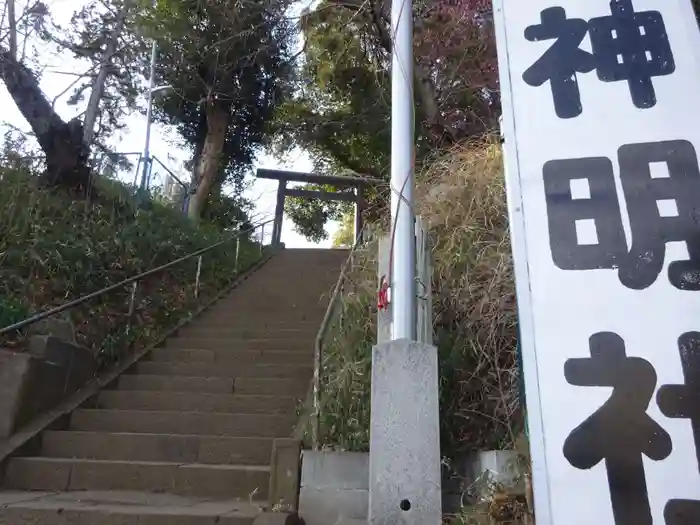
[
  {"x": 209, "y": 163},
  {"x": 99, "y": 85},
  {"x": 66, "y": 158},
  {"x": 12, "y": 27}
]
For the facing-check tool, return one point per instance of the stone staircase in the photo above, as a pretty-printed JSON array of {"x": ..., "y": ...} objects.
[{"x": 185, "y": 436}]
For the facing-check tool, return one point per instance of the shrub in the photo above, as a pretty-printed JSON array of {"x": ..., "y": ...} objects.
[
  {"x": 54, "y": 249},
  {"x": 461, "y": 195}
]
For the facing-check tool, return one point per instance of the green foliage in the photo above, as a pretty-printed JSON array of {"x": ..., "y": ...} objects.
[
  {"x": 12, "y": 311},
  {"x": 345, "y": 236},
  {"x": 462, "y": 197},
  {"x": 311, "y": 215},
  {"x": 227, "y": 213},
  {"x": 341, "y": 111},
  {"x": 228, "y": 54},
  {"x": 53, "y": 250},
  {"x": 347, "y": 352}
]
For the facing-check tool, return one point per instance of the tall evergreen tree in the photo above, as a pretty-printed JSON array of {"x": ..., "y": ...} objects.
[{"x": 230, "y": 63}]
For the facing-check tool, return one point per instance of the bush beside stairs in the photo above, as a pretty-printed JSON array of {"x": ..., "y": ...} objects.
[{"x": 185, "y": 436}]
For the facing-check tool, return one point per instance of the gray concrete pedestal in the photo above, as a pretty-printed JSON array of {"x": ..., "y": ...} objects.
[{"x": 404, "y": 458}]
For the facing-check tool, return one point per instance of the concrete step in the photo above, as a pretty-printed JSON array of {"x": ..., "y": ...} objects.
[
  {"x": 282, "y": 314},
  {"x": 195, "y": 402},
  {"x": 189, "y": 479},
  {"x": 121, "y": 508},
  {"x": 241, "y": 357},
  {"x": 157, "y": 447},
  {"x": 193, "y": 423},
  {"x": 279, "y": 305},
  {"x": 233, "y": 345},
  {"x": 265, "y": 326},
  {"x": 295, "y": 388},
  {"x": 141, "y": 382},
  {"x": 262, "y": 331},
  {"x": 224, "y": 370}
]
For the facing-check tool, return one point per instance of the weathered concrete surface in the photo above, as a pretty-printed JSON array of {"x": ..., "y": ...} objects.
[
  {"x": 14, "y": 377},
  {"x": 285, "y": 474},
  {"x": 59, "y": 326},
  {"x": 121, "y": 508},
  {"x": 37, "y": 380},
  {"x": 76, "y": 364},
  {"x": 405, "y": 484},
  {"x": 334, "y": 486},
  {"x": 383, "y": 273}
]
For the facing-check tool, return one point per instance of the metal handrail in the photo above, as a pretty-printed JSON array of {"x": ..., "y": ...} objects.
[
  {"x": 318, "y": 346},
  {"x": 135, "y": 279}
]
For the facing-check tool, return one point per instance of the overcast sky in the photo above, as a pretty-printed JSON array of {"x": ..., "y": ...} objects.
[{"x": 54, "y": 81}]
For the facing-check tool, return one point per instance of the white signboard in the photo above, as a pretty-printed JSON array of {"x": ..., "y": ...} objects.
[{"x": 601, "y": 103}]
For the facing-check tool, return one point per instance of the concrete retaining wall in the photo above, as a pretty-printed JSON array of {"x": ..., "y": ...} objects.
[
  {"x": 37, "y": 380},
  {"x": 334, "y": 487}
]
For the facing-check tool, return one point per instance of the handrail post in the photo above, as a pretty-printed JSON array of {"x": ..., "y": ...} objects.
[
  {"x": 316, "y": 422},
  {"x": 196, "y": 280},
  {"x": 238, "y": 252},
  {"x": 132, "y": 306},
  {"x": 262, "y": 238}
]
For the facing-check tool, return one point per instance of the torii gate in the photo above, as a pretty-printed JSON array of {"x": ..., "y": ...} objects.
[{"x": 355, "y": 193}]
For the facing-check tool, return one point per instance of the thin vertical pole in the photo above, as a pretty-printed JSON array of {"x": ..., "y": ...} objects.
[
  {"x": 262, "y": 238},
  {"x": 149, "y": 118},
  {"x": 197, "y": 277},
  {"x": 132, "y": 306},
  {"x": 238, "y": 252},
  {"x": 403, "y": 266}
]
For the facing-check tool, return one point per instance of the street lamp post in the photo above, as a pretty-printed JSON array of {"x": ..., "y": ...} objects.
[{"x": 152, "y": 92}]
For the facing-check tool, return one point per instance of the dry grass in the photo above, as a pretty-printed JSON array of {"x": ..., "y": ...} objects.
[
  {"x": 461, "y": 194},
  {"x": 462, "y": 197}
]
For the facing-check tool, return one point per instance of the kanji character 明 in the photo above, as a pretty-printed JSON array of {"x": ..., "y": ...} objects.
[{"x": 661, "y": 186}]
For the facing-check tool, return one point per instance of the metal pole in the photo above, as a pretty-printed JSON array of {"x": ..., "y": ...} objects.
[
  {"x": 196, "y": 280},
  {"x": 238, "y": 252},
  {"x": 262, "y": 238},
  {"x": 149, "y": 117},
  {"x": 132, "y": 306},
  {"x": 403, "y": 266}
]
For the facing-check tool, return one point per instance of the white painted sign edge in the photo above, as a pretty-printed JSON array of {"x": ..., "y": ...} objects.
[
  {"x": 527, "y": 336},
  {"x": 516, "y": 220}
]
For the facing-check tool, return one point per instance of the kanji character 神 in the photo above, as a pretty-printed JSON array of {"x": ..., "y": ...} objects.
[
  {"x": 633, "y": 47},
  {"x": 620, "y": 431},
  {"x": 562, "y": 61},
  {"x": 626, "y": 46}
]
